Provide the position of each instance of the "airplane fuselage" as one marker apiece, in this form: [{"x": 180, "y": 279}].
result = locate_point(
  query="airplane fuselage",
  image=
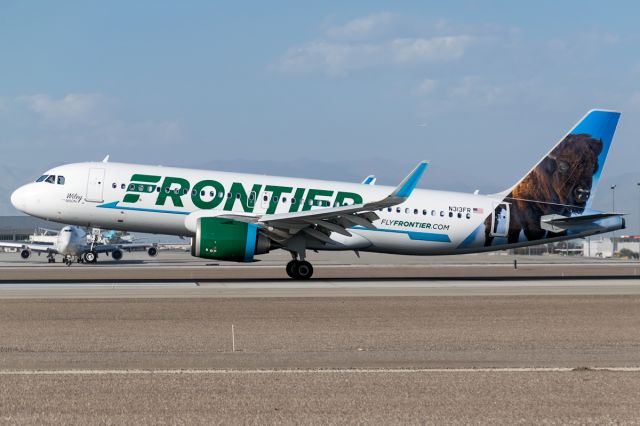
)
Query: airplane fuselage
[{"x": 155, "y": 199}]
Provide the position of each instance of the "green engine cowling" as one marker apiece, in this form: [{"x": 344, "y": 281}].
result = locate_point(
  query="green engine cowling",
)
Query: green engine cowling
[{"x": 228, "y": 239}]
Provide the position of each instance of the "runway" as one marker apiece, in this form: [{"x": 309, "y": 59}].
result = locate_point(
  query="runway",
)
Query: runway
[{"x": 418, "y": 349}]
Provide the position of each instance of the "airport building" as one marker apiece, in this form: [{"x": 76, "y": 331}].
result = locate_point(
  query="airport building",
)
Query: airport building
[{"x": 20, "y": 228}]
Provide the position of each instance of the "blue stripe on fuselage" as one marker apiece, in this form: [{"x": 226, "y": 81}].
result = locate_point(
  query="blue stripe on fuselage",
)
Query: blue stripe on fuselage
[
  {"x": 115, "y": 205},
  {"x": 413, "y": 235}
]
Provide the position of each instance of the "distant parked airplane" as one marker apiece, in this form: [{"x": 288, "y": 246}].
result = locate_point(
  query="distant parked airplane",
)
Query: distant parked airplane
[{"x": 72, "y": 244}]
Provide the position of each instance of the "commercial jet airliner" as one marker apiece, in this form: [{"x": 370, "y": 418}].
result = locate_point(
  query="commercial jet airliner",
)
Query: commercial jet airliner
[
  {"x": 73, "y": 244},
  {"x": 233, "y": 216}
]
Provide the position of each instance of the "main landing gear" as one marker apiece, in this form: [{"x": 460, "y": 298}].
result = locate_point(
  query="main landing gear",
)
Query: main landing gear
[{"x": 298, "y": 268}]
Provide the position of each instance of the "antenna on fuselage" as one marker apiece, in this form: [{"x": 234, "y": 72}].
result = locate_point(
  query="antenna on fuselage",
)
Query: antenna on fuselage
[{"x": 106, "y": 159}]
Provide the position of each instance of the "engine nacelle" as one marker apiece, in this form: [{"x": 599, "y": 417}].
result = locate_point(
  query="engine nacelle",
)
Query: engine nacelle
[{"x": 228, "y": 239}]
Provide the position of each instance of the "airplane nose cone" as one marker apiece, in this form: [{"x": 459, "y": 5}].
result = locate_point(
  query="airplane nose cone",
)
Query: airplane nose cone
[{"x": 18, "y": 198}]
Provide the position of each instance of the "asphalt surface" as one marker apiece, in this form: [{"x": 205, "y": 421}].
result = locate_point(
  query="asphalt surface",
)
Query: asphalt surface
[
  {"x": 172, "y": 360},
  {"x": 465, "y": 347}
]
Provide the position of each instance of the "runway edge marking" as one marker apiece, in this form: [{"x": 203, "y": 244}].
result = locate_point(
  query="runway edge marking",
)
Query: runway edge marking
[{"x": 321, "y": 370}]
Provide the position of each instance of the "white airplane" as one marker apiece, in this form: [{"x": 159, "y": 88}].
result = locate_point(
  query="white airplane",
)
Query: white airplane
[
  {"x": 233, "y": 216},
  {"x": 73, "y": 245}
]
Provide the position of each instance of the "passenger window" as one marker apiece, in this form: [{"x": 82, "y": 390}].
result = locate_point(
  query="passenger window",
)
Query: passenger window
[
  {"x": 123, "y": 186},
  {"x": 202, "y": 193},
  {"x": 450, "y": 214},
  {"x": 50, "y": 179},
  {"x": 238, "y": 196},
  {"x": 193, "y": 192},
  {"x": 252, "y": 196},
  {"x": 132, "y": 187},
  {"x": 157, "y": 188},
  {"x": 166, "y": 190},
  {"x": 265, "y": 198},
  {"x": 389, "y": 209},
  {"x": 228, "y": 195},
  {"x": 41, "y": 178},
  {"x": 398, "y": 210},
  {"x": 149, "y": 188},
  {"x": 424, "y": 212},
  {"x": 415, "y": 211},
  {"x": 293, "y": 201},
  {"x": 433, "y": 212},
  {"x": 210, "y": 193},
  {"x": 459, "y": 215},
  {"x": 275, "y": 199},
  {"x": 284, "y": 199},
  {"x": 468, "y": 215},
  {"x": 114, "y": 185},
  {"x": 441, "y": 213},
  {"x": 60, "y": 180}
]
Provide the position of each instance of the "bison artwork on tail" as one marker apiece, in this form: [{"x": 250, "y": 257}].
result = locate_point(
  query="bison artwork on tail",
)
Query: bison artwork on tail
[{"x": 562, "y": 183}]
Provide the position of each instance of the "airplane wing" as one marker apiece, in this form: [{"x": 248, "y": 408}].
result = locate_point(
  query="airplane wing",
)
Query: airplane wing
[
  {"x": 283, "y": 226},
  {"x": 40, "y": 248},
  {"x": 108, "y": 248}
]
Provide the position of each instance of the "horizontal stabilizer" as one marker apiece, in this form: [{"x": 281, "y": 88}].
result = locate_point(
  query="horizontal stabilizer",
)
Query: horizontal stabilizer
[{"x": 559, "y": 223}]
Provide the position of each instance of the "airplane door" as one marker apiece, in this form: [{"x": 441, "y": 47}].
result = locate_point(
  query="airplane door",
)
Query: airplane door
[
  {"x": 500, "y": 220},
  {"x": 95, "y": 185}
]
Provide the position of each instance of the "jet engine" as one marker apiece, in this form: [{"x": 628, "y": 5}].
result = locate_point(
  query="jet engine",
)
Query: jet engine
[{"x": 228, "y": 239}]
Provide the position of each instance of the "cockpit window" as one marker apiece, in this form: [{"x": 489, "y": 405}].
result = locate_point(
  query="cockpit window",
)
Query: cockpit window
[
  {"x": 51, "y": 179},
  {"x": 66, "y": 230},
  {"x": 41, "y": 178},
  {"x": 60, "y": 180}
]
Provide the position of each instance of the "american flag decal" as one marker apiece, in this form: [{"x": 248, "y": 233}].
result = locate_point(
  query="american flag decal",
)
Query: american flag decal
[{"x": 477, "y": 210}]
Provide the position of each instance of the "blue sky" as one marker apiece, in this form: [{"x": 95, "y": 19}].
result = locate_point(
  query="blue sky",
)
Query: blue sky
[{"x": 329, "y": 89}]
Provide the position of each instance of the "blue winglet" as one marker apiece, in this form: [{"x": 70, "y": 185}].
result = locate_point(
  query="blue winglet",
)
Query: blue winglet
[
  {"x": 409, "y": 183},
  {"x": 369, "y": 180}
]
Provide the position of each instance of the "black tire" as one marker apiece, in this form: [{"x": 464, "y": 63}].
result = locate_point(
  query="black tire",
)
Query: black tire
[
  {"x": 304, "y": 271},
  {"x": 153, "y": 252},
  {"x": 291, "y": 269},
  {"x": 90, "y": 257},
  {"x": 116, "y": 255},
  {"x": 25, "y": 254}
]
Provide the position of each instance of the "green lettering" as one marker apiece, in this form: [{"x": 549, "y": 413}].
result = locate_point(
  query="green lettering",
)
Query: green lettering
[
  {"x": 276, "y": 193},
  {"x": 297, "y": 197},
  {"x": 175, "y": 193},
  {"x": 218, "y": 196},
  {"x": 342, "y": 197},
  {"x": 247, "y": 201},
  {"x": 311, "y": 197}
]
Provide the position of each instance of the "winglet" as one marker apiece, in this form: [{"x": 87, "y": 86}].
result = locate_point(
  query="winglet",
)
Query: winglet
[
  {"x": 409, "y": 183},
  {"x": 369, "y": 180},
  {"x": 106, "y": 159}
]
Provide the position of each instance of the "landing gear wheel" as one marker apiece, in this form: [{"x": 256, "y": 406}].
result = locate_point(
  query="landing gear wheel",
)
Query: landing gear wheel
[
  {"x": 292, "y": 268},
  {"x": 90, "y": 257},
  {"x": 304, "y": 270},
  {"x": 51, "y": 260}
]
